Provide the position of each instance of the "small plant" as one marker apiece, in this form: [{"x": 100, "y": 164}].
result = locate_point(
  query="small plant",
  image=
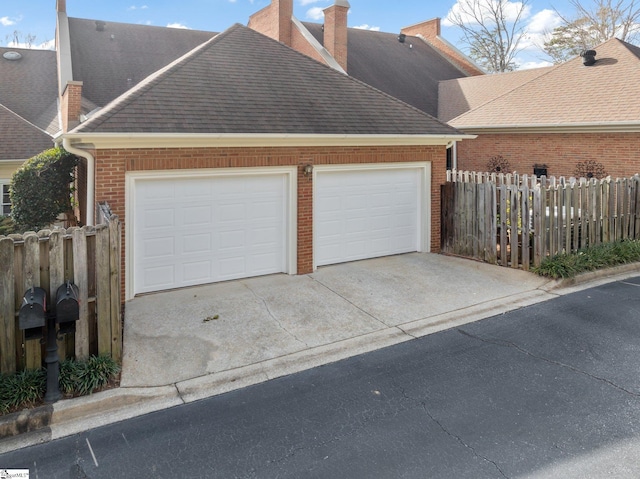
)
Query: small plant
[
  {"x": 589, "y": 259},
  {"x": 7, "y": 226},
  {"x": 24, "y": 389},
  {"x": 77, "y": 378}
]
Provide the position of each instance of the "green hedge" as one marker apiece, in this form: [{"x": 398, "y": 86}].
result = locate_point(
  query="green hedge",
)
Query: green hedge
[{"x": 42, "y": 189}]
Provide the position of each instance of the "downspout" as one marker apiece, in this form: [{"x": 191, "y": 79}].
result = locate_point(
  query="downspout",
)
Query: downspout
[{"x": 91, "y": 177}]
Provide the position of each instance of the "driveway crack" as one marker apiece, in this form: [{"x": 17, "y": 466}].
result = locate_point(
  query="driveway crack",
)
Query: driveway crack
[
  {"x": 350, "y": 302},
  {"x": 273, "y": 316},
  {"x": 504, "y": 342}
]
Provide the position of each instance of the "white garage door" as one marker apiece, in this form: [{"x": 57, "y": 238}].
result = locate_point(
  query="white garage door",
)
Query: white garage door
[
  {"x": 190, "y": 231},
  {"x": 366, "y": 213}
]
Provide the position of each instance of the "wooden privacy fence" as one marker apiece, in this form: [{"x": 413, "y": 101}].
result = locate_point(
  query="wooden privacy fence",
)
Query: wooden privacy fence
[
  {"x": 518, "y": 220},
  {"x": 88, "y": 256}
]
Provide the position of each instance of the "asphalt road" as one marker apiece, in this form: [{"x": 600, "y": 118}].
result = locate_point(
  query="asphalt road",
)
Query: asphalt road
[{"x": 551, "y": 390}]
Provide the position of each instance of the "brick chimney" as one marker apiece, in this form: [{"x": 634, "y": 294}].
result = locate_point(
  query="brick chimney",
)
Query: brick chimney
[
  {"x": 274, "y": 20},
  {"x": 61, "y": 6},
  {"x": 335, "y": 31},
  {"x": 71, "y": 105},
  {"x": 430, "y": 32}
]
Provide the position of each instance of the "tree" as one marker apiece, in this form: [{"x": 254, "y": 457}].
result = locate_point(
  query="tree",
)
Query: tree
[
  {"x": 593, "y": 24},
  {"x": 17, "y": 39},
  {"x": 492, "y": 30},
  {"x": 41, "y": 189}
]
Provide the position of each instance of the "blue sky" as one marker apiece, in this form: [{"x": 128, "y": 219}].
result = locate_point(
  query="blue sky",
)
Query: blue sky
[{"x": 37, "y": 17}]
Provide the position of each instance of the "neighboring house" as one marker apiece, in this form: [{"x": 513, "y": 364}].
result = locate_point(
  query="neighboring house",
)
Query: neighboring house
[
  {"x": 28, "y": 110},
  {"x": 567, "y": 120},
  {"x": 407, "y": 65},
  {"x": 244, "y": 157}
]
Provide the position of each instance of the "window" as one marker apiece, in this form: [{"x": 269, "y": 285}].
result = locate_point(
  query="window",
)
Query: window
[{"x": 5, "y": 201}]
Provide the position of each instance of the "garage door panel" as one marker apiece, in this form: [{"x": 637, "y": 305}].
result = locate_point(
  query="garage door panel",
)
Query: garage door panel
[
  {"x": 192, "y": 231},
  {"x": 366, "y": 213}
]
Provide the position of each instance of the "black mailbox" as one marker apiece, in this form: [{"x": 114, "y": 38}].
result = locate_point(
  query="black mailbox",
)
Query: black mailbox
[
  {"x": 67, "y": 308},
  {"x": 32, "y": 316}
]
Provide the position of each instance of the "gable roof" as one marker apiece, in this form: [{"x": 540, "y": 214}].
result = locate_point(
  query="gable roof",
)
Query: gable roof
[
  {"x": 29, "y": 86},
  {"x": 115, "y": 57},
  {"x": 460, "y": 95},
  {"x": 25, "y": 139},
  {"x": 241, "y": 82},
  {"x": 409, "y": 71},
  {"x": 569, "y": 95}
]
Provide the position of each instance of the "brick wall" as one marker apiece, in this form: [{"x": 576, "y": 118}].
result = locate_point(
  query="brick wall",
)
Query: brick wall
[
  {"x": 335, "y": 33},
  {"x": 619, "y": 153},
  {"x": 112, "y": 165},
  {"x": 300, "y": 44},
  {"x": 71, "y": 105},
  {"x": 274, "y": 21}
]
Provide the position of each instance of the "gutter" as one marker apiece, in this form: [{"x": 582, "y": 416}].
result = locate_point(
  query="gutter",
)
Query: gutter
[{"x": 91, "y": 177}]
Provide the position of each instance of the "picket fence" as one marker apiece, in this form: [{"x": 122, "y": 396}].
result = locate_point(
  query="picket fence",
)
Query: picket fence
[
  {"x": 518, "y": 220},
  {"x": 89, "y": 257}
]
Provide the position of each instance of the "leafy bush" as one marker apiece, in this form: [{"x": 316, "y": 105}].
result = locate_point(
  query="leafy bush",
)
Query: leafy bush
[
  {"x": 24, "y": 389},
  {"x": 7, "y": 225},
  {"x": 41, "y": 189},
  {"x": 77, "y": 378},
  {"x": 590, "y": 259},
  {"x": 83, "y": 377}
]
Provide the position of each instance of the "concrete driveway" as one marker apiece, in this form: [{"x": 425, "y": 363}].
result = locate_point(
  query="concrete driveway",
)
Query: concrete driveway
[{"x": 291, "y": 323}]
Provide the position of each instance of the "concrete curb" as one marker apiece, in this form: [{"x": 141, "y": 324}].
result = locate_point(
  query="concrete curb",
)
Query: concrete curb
[{"x": 73, "y": 416}]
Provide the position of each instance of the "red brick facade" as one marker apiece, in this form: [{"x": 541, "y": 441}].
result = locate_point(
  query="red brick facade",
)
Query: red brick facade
[
  {"x": 112, "y": 165},
  {"x": 71, "y": 105},
  {"x": 619, "y": 153}
]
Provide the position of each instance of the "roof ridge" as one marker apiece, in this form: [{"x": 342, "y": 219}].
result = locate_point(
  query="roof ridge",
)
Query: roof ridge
[
  {"x": 120, "y": 102},
  {"x": 24, "y": 120},
  {"x": 136, "y": 24}
]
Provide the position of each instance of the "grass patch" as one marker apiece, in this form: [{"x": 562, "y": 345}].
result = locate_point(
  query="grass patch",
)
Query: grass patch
[
  {"x": 77, "y": 378},
  {"x": 601, "y": 256}
]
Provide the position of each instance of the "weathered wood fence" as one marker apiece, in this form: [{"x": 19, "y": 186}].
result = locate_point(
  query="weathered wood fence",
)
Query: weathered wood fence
[
  {"x": 88, "y": 256},
  {"x": 518, "y": 220}
]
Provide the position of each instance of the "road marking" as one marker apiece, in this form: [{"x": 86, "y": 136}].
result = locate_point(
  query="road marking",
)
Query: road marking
[{"x": 91, "y": 451}]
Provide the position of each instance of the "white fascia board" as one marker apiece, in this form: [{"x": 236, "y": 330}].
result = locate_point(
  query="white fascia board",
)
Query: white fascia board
[
  {"x": 613, "y": 127},
  {"x": 197, "y": 140}
]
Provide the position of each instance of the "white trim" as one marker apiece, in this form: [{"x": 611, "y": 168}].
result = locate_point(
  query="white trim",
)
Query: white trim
[
  {"x": 610, "y": 127},
  {"x": 197, "y": 140},
  {"x": 317, "y": 46},
  {"x": 3, "y": 182},
  {"x": 424, "y": 195},
  {"x": 292, "y": 207}
]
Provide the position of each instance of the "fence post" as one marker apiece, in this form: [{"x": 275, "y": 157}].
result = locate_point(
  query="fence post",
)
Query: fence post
[
  {"x": 7, "y": 311},
  {"x": 80, "y": 275}
]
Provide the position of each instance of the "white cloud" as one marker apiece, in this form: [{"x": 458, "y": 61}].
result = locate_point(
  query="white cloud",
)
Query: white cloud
[
  {"x": 178, "y": 25},
  {"x": 7, "y": 22},
  {"x": 367, "y": 27},
  {"x": 544, "y": 21},
  {"x": 463, "y": 7},
  {"x": 315, "y": 13},
  {"x": 531, "y": 64},
  {"x": 134, "y": 7},
  {"x": 50, "y": 45},
  {"x": 308, "y": 2}
]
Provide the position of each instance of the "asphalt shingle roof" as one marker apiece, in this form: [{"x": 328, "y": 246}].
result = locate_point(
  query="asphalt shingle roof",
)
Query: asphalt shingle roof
[
  {"x": 113, "y": 60},
  {"x": 29, "y": 86},
  {"x": 569, "y": 94},
  {"x": 23, "y": 140},
  {"x": 409, "y": 71},
  {"x": 243, "y": 82}
]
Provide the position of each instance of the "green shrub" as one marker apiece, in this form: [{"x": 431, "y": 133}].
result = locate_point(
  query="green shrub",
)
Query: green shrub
[
  {"x": 77, "y": 378},
  {"x": 23, "y": 389},
  {"x": 41, "y": 189},
  {"x": 83, "y": 377},
  {"x": 7, "y": 225},
  {"x": 589, "y": 259}
]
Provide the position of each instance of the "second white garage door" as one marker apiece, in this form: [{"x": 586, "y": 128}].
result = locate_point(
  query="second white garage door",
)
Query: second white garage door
[
  {"x": 190, "y": 231},
  {"x": 367, "y": 213}
]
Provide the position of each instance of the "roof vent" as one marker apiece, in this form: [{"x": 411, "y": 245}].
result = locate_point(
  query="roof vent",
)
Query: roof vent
[
  {"x": 588, "y": 57},
  {"x": 13, "y": 56},
  {"x": 402, "y": 37},
  {"x": 100, "y": 25}
]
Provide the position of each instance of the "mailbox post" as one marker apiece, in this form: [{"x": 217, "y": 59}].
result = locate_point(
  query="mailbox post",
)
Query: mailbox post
[{"x": 32, "y": 317}]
